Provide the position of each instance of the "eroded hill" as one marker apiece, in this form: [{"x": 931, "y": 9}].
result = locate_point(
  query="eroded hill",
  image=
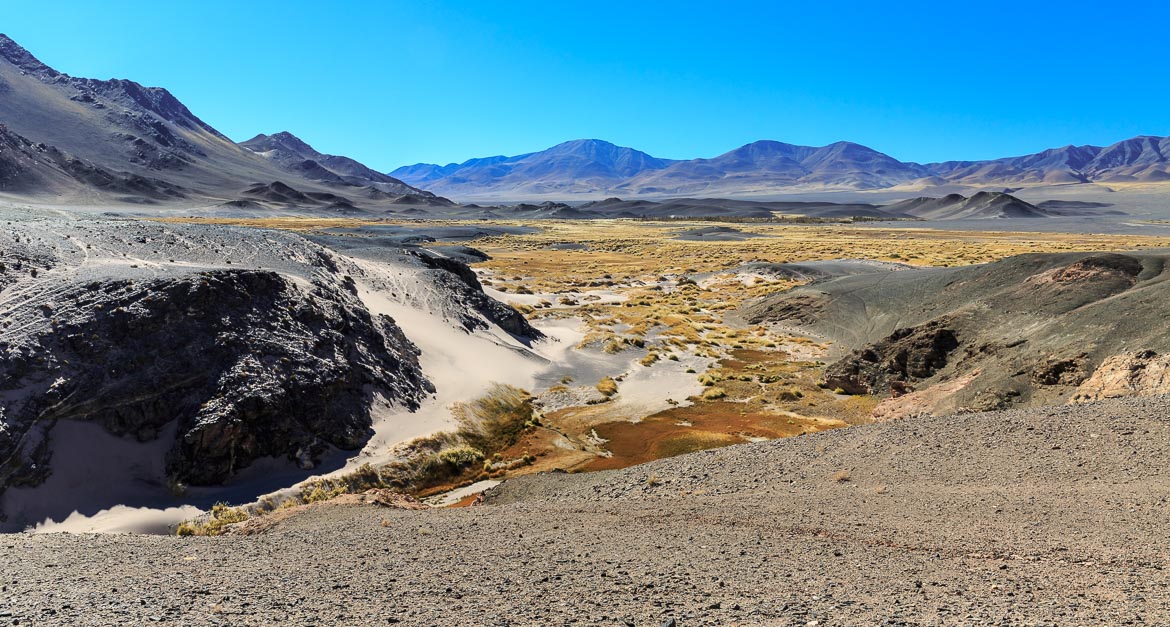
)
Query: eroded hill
[
  {"x": 201, "y": 350},
  {"x": 1032, "y": 329}
]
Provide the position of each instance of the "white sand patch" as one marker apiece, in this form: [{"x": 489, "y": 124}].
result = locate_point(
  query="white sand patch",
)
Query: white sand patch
[
  {"x": 462, "y": 365},
  {"x": 454, "y": 496},
  {"x": 648, "y": 390},
  {"x": 123, "y": 519},
  {"x": 592, "y": 297}
]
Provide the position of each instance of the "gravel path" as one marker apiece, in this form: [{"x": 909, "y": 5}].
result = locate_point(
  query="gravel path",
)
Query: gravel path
[{"x": 1049, "y": 516}]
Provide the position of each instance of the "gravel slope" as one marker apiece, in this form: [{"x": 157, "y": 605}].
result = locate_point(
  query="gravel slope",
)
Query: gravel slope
[{"x": 1044, "y": 516}]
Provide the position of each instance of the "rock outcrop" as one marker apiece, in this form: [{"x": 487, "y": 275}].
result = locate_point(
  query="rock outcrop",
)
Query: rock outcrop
[
  {"x": 1026, "y": 330},
  {"x": 213, "y": 347},
  {"x": 1131, "y": 374},
  {"x": 247, "y": 363},
  {"x": 905, "y": 356},
  {"x": 460, "y": 279}
]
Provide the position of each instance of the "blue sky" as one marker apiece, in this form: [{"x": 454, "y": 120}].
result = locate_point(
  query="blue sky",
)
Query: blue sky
[{"x": 392, "y": 83}]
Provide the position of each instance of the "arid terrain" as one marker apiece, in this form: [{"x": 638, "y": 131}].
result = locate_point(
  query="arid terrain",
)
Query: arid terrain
[
  {"x": 1039, "y": 517},
  {"x": 251, "y": 382}
]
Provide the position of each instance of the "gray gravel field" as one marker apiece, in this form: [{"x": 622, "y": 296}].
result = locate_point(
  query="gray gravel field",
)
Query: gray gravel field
[{"x": 1051, "y": 516}]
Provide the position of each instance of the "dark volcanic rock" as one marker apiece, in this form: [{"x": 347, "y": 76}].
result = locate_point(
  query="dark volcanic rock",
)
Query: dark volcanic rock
[
  {"x": 467, "y": 285},
  {"x": 1032, "y": 327},
  {"x": 907, "y": 355},
  {"x": 247, "y": 362}
]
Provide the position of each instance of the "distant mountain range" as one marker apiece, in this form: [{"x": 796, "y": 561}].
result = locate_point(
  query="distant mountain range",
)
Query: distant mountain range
[
  {"x": 593, "y": 167},
  {"x": 80, "y": 140},
  {"x": 84, "y": 141}
]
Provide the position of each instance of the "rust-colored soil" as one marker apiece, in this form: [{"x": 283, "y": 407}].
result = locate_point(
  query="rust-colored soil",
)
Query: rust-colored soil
[{"x": 688, "y": 429}]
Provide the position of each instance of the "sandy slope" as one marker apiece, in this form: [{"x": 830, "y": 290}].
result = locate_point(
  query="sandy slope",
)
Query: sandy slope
[
  {"x": 1047, "y": 516},
  {"x": 103, "y": 482},
  {"x": 461, "y": 364}
]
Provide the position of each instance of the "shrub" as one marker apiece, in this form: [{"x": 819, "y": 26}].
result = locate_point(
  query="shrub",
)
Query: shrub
[
  {"x": 215, "y": 523},
  {"x": 495, "y": 420},
  {"x": 365, "y": 477},
  {"x": 462, "y": 456},
  {"x": 607, "y": 386},
  {"x": 714, "y": 393}
]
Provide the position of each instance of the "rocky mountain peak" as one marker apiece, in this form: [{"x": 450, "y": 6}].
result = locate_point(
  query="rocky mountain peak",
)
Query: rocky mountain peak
[
  {"x": 283, "y": 140},
  {"x": 15, "y": 54}
]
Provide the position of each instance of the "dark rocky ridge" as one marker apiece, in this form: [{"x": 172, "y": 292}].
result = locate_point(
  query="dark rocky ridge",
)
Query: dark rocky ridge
[
  {"x": 471, "y": 293},
  {"x": 445, "y": 268},
  {"x": 981, "y": 205},
  {"x": 908, "y": 355},
  {"x": 248, "y": 365},
  {"x": 116, "y": 141},
  {"x": 222, "y": 345},
  {"x": 1027, "y": 329},
  {"x": 291, "y": 153}
]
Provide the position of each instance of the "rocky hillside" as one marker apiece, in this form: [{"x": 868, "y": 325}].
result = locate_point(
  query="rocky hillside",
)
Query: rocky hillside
[
  {"x": 1139, "y": 159},
  {"x": 81, "y": 140},
  {"x": 291, "y": 153},
  {"x": 766, "y": 165},
  {"x": 1033, "y": 329},
  {"x": 979, "y": 206},
  {"x": 218, "y": 347},
  {"x": 595, "y": 166}
]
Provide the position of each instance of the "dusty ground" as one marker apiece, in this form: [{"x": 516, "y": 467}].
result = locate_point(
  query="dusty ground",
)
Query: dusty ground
[
  {"x": 652, "y": 301},
  {"x": 1047, "y": 517},
  {"x": 641, "y": 289}
]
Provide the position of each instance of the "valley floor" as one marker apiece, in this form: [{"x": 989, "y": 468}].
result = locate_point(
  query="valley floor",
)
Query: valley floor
[{"x": 1045, "y": 516}]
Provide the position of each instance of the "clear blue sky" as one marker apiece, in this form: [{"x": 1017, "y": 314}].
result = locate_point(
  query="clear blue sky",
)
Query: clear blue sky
[{"x": 392, "y": 83}]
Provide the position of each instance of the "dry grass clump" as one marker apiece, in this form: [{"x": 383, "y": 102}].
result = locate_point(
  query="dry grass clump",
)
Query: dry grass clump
[
  {"x": 522, "y": 308},
  {"x": 215, "y": 523},
  {"x": 495, "y": 420},
  {"x": 365, "y": 477},
  {"x": 445, "y": 464},
  {"x": 714, "y": 393},
  {"x": 487, "y": 425},
  {"x": 607, "y": 386}
]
